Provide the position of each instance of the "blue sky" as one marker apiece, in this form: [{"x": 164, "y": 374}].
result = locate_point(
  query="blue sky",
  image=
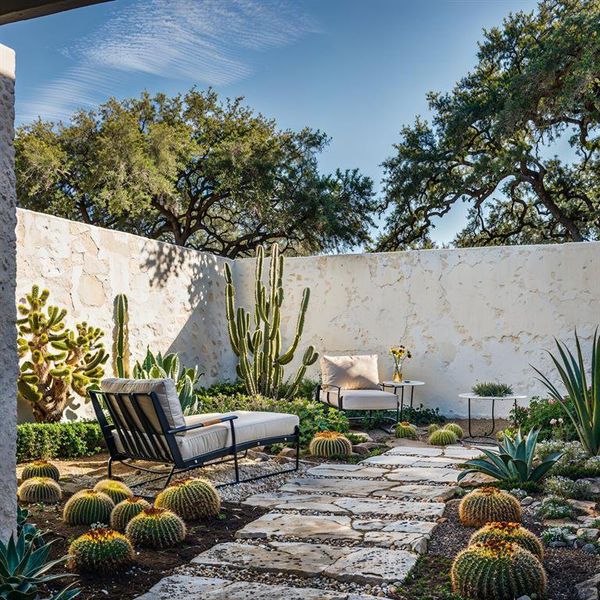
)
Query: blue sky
[{"x": 357, "y": 69}]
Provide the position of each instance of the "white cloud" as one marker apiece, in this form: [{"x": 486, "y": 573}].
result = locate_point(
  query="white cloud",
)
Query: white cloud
[{"x": 209, "y": 42}]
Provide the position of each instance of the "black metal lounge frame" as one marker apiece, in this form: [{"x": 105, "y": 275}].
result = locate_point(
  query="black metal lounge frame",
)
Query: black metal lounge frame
[{"x": 159, "y": 446}]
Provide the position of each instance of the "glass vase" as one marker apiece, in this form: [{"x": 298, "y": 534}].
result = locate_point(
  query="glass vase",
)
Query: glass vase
[{"x": 398, "y": 376}]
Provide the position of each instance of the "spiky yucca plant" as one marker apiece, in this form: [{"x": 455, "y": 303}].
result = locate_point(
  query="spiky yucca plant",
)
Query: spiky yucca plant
[
  {"x": 514, "y": 533},
  {"x": 40, "y": 468},
  {"x": 330, "y": 443},
  {"x": 191, "y": 499},
  {"x": 456, "y": 429},
  {"x": 487, "y": 504},
  {"x": 406, "y": 430},
  {"x": 497, "y": 571},
  {"x": 117, "y": 491},
  {"x": 101, "y": 550},
  {"x": 125, "y": 511},
  {"x": 87, "y": 507},
  {"x": 39, "y": 489},
  {"x": 156, "y": 528},
  {"x": 442, "y": 437}
]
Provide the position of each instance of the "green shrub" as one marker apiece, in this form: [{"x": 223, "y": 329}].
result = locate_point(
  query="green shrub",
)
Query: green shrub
[
  {"x": 492, "y": 389},
  {"x": 574, "y": 462},
  {"x": 58, "y": 440},
  {"x": 554, "y": 507},
  {"x": 558, "y": 534},
  {"x": 568, "y": 488},
  {"x": 544, "y": 414}
]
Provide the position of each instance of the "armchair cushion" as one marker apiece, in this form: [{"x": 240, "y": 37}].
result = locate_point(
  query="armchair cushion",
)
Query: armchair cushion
[
  {"x": 357, "y": 372},
  {"x": 362, "y": 399}
]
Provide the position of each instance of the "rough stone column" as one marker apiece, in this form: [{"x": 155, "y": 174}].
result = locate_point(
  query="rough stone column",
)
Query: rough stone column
[{"x": 8, "y": 274}]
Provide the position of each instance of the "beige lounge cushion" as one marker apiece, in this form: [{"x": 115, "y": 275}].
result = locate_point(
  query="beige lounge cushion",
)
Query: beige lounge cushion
[
  {"x": 362, "y": 399},
  {"x": 358, "y": 372}
]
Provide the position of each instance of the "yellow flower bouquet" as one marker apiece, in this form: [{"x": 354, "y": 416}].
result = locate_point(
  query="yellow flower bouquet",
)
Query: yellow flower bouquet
[{"x": 399, "y": 354}]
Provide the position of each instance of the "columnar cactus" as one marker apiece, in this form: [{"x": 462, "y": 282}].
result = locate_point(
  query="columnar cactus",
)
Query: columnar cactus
[
  {"x": 87, "y": 507},
  {"x": 330, "y": 443},
  {"x": 101, "y": 551},
  {"x": 57, "y": 362},
  {"x": 191, "y": 499},
  {"x": 39, "y": 489},
  {"x": 497, "y": 571},
  {"x": 406, "y": 430},
  {"x": 442, "y": 437},
  {"x": 40, "y": 468},
  {"x": 121, "y": 352},
  {"x": 125, "y": 511},
  {"x": 456, "y": 429},
  {"x": 156, "y": 528},
  {"x": 260, "y": 358},
  {"x": 487, "y": 504},
  {"x": 117, "y": 491},
  {"x": 509, "y": 532}
]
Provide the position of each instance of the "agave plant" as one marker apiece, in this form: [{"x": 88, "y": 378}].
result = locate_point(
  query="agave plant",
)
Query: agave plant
[
  {"x": 514, "y": 461},
  {"x": 157, "y": 366},
  {"x": 584, "y": 408}
]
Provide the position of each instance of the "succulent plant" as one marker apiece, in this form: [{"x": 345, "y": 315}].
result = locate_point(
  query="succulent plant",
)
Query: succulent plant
[
  {"x": 39, "y": 489},
  {"x": 406, "y": 430},
  {"x": 123, "y": 512},
  {"x": 487, "y": 504},
  {"x": 117, "y": 491},
  {"x": 40, "y": 468},
  {"x": 101, "y": 550},
  {"x": 432, "y": 427},
  {"x": 330, "y": 443},
  {"x": 121, "y": 354},
  {"x": 442, "y": 437},
  {"x": 514, "y": 533},
  {"x": 497, "y": 570},
  {"x": 191, "y": 499},
  {"x": 156, "y": 528},
  {"x": 456, "y": 429},
  {"x": 87, "y": 507}
]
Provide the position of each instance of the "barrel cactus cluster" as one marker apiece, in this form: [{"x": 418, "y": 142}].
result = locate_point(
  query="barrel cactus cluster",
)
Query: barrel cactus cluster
[
  {"x": 514, "y": 533},
  {"x": 456, "y": 429},
  {"x": 39, "y": 489},
  {"x": 101, "y": 550},
  {"x": 442, "y": 437},
  {"x": 327, "y": 444},
  {"x": 406, "y": 430},
  {"x": 125, "y": 511},
  {"x": 156, "y": 528},
  {"x": 117, "y": 491},
  {"x": 487, "y": 504},
  {"x": 87, "y": 507},
  {"x": 40, "y": 468},
  {"x": 191, "y": 499}
]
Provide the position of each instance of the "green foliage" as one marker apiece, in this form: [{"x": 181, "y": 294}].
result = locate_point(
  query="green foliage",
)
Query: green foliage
[
  {"x": 101, "y": 551},
  {"x": 157, "y": 366},
  {"x": 487, "y": 504},
  {"x": 39, "y": 489},
  {"x": 554, "y": 507},
  {"x": 121, "y": 354},
  {"x": 406, "y": 430},
  {"x": 223, "y": 389},
  {"x": 117, "y": 491},
  {"x": 87, "y": 507},
  {"x": 456, "y": 429},
  {"x": 261, "y": 361},
  {"x": 509, "y": 532},
  {"x": 123, "y": 512},
  {"x": 558, "y": 534},
  {"x": 490, "y": 389},
  {"x": 514, "y": 461},
  {"x": 497, "y": 571},
  {"x": 195, "y": 171},
  {"x": 40, "y": 468},
  {"x": 58, "y": 440},
  {"x": 57, "y": 363},
  {"x": 548, "y": 416},
  {"x": 420, "y": 415},
  {"x": 568, "y": 488},
  {"x": 492, "y": 141},
  {"x": 574, "y": 463},
  {"x": 156, "y": 528},
  {"x": 330, "y": 444},
  {"x": 584, "y": 411},
  {"x": 442, "y": 437},
  {"x": 191, "y": 499}
]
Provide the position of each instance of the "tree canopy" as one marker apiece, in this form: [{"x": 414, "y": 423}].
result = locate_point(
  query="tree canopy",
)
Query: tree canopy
[
  {"x": 196, "y": 171},
  {"x": 494, "y": 141}
]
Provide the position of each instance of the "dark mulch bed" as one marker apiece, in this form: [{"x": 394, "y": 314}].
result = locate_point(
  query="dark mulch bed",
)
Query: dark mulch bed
[
  {"x": 430, "y": 580},
  {"x": 151, "y": 565}
]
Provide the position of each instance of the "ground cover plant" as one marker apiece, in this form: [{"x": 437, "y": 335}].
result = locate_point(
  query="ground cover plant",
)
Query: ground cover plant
[{"x": 547, "y": 415}]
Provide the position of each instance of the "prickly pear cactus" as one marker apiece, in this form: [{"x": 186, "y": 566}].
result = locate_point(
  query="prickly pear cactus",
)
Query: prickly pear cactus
[
  {"x": 406, "y": 430},
  {"x": 191, "y": 499},
  {"x": 87, "y": 507},
  {"x": 442, "y": 437},
  {"x": 39, "y": 489},
  {"x": 487, "y": 504},
  {"x": 101, "y": 550},
  {"x": 156, "y": 528},
  {"x": 261, "y": 360},
  {"x": 117, "y": 491},
  {"x": 330, "y": 443},
  {"x": 125, "y": 511},
  {"x": 509, "y": 532},
  {"x": 57, "y": 363},
  {"x": 40, "y": 468}
]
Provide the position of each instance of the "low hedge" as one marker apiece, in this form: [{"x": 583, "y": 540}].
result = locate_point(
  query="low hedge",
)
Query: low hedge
[{"x": 58, "y": 440}]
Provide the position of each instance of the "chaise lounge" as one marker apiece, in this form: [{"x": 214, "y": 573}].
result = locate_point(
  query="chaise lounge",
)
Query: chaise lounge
[{"x": 141, "y": 419}]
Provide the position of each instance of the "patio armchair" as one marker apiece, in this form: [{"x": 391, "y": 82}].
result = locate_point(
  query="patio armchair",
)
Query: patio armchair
[{"x": 141, "y": 419}]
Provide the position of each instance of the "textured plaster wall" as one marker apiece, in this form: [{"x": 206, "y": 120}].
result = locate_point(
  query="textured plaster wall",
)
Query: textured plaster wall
[
  {"x": 176, "y": 296},
  {"x": 468, "y": 315},
  {"x": 8, "y": 349}
]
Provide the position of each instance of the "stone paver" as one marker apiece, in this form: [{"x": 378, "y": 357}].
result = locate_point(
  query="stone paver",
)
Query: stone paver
[
  {"x": 340, "y": 470},
  {"x": 404, "y": 460},
  {"x": 425, "y": 474},
  {"x": 415, "y": 451}
]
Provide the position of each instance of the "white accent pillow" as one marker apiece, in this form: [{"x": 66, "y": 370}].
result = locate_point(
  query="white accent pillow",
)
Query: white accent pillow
[{"x": 358, "y": 372}]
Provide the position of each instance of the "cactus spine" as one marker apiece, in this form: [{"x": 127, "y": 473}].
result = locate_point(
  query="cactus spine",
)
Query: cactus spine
[
  {"x": 191, "y": 499},
  {"x": 39, "y": 489},
  {"x": 121, "y": 337},
  {"x": 497, "y": 571},
  {"x": 40, "y": 468},
  {"x": 455, "y": 429},
  {"x": 509, "y": 532},
  {"x": 87, "y": 507},
  {"x": 101, "y": 551},
  {"x": 488, "y": 504},
  {"x": 330, "y": 443},
  {"x": 260, "y": 358},
  {"x": 117, "y": 491},
  {"x": 406, "y": 430},
  {"x": 442, "y": 437},
  {"x": 156, "y": 528},
  {"x": 125, "y": 511}
]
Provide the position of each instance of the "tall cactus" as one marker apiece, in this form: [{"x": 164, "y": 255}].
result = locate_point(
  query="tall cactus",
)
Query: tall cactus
[
  {"x": 58, "y": 362},
  {"x": 121, "y": 337},
  {"x": 260, "y": 359}
]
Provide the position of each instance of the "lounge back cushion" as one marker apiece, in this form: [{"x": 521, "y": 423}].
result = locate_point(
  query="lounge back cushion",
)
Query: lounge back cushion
[{"x": 350, "y": 372}]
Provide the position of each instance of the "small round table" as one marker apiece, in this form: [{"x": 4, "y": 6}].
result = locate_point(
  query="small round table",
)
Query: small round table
[
  {"x": 471, "y": 396},
  {"x": 400, "y": 385}
]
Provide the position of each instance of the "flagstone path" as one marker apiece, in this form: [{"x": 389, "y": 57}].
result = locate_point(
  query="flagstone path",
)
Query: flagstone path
[{"x": 364, "y": 525}]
